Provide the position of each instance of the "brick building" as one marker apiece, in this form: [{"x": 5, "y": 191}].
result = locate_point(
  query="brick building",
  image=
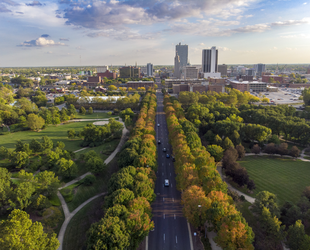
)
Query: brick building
[
  {"x": 108, "y": 74},
  {"x": 217, "y": 80},
  {"x": 266, "y": 78},
  {"x": 139, "y": 84},
  {"x": 244, "y": 77},
  {"x": 219, "y": 88}
]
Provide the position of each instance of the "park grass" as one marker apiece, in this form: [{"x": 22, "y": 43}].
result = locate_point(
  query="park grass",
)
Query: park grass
[
  {"x": 54, "y": 200},
  {"x": 96, "y": 115},
  {"x": 75, "y": 235},
  {"x": 83, "y": 192},
  {"x": 284, "y": 177},
  {"x": 55, "y": 132},
  {"x": 68, "y": 192}
]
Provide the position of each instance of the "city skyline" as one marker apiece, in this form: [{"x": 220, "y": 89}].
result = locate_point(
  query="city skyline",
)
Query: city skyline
[{"x": 75, "y": 33}]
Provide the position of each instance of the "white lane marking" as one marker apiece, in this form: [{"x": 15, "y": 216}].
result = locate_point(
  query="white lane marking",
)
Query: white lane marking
[
  {"x": 171, "y": 185},
  {"x": 176, "y": 239},
  {"x": 170, "y": 174},
  {"x": 169, "y": 164},
  {"x": 162, "y": 164},
  {"x": 164, "y": 237},
  {"x": 163, "y": 173},
  {"x": 174, "y": 216},
  {"x": 164, "y": 216}
]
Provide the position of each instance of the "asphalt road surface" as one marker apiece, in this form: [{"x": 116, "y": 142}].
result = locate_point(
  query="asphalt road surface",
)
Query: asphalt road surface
[{"x": 171, "y": 228}]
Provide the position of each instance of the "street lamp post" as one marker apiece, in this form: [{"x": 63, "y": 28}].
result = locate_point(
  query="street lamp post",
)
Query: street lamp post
[{"x": 199, "y": 206}]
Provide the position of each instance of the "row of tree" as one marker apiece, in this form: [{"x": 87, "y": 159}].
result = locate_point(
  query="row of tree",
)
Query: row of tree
[
  {"x": 131, "y": 190},
  {"x": 204, "y": 193}
]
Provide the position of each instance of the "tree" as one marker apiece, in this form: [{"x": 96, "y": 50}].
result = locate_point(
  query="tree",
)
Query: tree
[
  {"x": 227, "y": 143},
  {"x": 90, "y": 110},
  {"x": 21, "y": 195},
  {"x": 267, "y": 200},
  {"x": 256, "y": 149},
  {"x": 19, "y": 159},
  {"x": 5, "y": 187},
  {"x": 306, "y": 192},
  {"x": 18, "y": 232},
  {"x": 47, "y": 143},
  {"x": 82, "y": 110},
  {"x": 112, "y": 88},
  {"x": 66, "y": 168},
  {"x": 294, "y": 151},
  {"x": 216, "y": 152},
  {"x": 109, "y": 233},
  {"x": 35, "y": 122},
  {"x": 71, "y": 133},
  {"x": 35, "y": 146},
  {"x": 241, "y": 151},
  {"x": 251, "y": 185},
  {"x": 96, "y": 165},
  {"x": 297, "y": 238},
  {"x": 306, "y": 96}
]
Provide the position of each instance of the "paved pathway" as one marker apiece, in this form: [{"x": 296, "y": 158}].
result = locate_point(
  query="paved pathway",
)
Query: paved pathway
[{"x": 68, "y": 215}]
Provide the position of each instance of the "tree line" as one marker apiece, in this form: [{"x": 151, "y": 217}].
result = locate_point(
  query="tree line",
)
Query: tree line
[
  {"x": 131, "y": 190},
  {"x": 204, "y": 193}
]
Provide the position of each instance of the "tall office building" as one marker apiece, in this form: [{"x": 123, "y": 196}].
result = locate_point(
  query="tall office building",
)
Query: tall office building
[
  {"x": 177, "y": 70},
  {"x": 191, "y": 72},
  {"x": 222, "y": 69},
  {"x": 182, "y": 51},
  {"x": 209, "y": 60},
  {"x": 259, "y": 69},
  {"x": 149, "y": 69}
]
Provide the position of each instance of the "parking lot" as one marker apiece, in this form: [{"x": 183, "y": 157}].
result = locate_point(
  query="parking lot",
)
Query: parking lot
[{"x": 283, "y": 96}]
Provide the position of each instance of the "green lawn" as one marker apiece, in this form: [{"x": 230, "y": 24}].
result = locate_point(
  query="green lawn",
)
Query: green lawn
[
  {"x": 284, "y": 177},
  {"x": 75, "y": 235},
  {"x": 83, "y": 192},
  {"x": 96, "y": 115},
  {"x": 56, "y": 133}
]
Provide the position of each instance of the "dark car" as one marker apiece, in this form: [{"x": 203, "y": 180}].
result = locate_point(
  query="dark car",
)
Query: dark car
[
  {"x": 173, "y": 159},
  {"x": 167, "y": 155}
]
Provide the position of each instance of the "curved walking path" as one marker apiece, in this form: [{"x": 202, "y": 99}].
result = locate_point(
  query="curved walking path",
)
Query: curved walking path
[{"x": 68, "y": 215}]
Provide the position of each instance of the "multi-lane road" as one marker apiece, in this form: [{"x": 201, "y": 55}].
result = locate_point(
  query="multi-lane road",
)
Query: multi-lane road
[{"x": 171, "y": 228}]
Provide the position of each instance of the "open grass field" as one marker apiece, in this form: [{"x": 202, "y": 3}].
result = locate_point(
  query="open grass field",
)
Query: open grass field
[
  {"x": 56, "y": 133},
  {"x": 83, "y": 193},
  {"x": 284, "y": 177},
  {"x": 75, "y": 236}
]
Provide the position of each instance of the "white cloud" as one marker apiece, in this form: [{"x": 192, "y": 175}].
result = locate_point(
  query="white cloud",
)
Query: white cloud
[{"x": 41, "y": 42}]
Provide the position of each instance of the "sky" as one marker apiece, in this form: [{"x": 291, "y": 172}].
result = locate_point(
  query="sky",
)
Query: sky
[{"x": 119, "y": 32}]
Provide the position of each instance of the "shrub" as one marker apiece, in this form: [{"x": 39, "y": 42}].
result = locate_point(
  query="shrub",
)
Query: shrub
[
  {"x": 89, "y": 180},
  {"x": 241, "y": 151},
  {"x": 109, "y": 113},
  {"x": 294, "y": 151},
  {"x": 256, "y": 149}
]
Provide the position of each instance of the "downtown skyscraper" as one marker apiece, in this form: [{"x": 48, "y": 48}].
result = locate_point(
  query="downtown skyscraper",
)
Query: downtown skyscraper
[
  {"x": 209, "y": 60},
  {"x": 182, "y": 51}
]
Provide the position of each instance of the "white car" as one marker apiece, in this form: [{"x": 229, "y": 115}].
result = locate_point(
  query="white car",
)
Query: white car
[
  {"x": 158, "y": 125},
  {"x": 166, "y": 183}
]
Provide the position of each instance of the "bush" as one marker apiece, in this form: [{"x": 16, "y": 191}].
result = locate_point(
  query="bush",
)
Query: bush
[
  {"x": 294, "y": 151},
  {"x": 241, "y": 151},
  {"x": 109, "y": 113},
  {"x": 89, "y": 180},
  {"x": 251, "y": 185},
  {"x": 256, "y": 149}
]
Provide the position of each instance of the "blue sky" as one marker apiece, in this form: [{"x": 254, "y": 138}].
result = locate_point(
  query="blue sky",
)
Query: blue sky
[{"x": 95, "y": 32}]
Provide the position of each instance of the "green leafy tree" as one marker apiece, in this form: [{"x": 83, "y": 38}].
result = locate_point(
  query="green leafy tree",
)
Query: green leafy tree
[
  {"x": 108, "y": 233},
  {"x": 18, "y": 232},
  {"x": 35, "y": 122},
  {"x": 35, "y": 146},
  {"x": 21, "y": 195},
  {"x": 66, "y": 168},
  {"x": 47, "y": 143},
  {"x": 227, "y": 143},
  {"x": 96, "y": 165},
  {"x": 5, "y": 187},
  {"x": 297, "y": 238},
  {"x": 82, "y": 111},
  {"x": 216, "y": 151},
  {"x": 268, "y": 200},
  {"x": 19, "y": 159},
  {"x": 90, "y": 110},
  {"x": 71, "y": 133}
]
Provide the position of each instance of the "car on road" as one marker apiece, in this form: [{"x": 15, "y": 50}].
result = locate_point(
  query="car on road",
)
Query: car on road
[
  {"x": 167, "y": 155},
  {"x": 164, "y": 149},
  {"x": 159, "y": 142},
  {"x": 166, "y": 183},
  {"x": 173, "y": 159},
  {"x": 158, "y": 125}
]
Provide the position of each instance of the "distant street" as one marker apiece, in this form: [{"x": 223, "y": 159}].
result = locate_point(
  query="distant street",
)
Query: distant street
[{"x": 171, "y": 228}]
